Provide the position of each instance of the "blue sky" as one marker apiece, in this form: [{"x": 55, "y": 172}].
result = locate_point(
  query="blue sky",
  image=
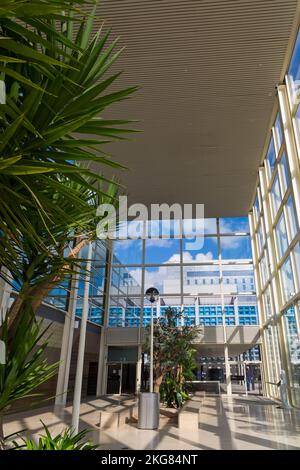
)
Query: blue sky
[{"x": 167, "y": 250}]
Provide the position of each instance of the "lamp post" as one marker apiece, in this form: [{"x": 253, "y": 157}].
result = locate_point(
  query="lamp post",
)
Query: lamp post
[
  {"x": 152, "y": 295},
  {"x": 149, "y": 401}
]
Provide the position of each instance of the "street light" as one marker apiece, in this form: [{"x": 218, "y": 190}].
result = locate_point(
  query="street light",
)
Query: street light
[{"x": 152, "y": 296}]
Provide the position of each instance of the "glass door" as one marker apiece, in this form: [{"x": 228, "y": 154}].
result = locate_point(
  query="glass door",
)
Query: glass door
[
  {"x": 114, "y": 377},
  {"x": 121, "y": 378}
]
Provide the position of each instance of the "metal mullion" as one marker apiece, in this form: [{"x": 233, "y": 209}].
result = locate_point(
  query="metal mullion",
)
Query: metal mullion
[
  {"x": 256, "y": 268},
  {"x": 275, "y": 281},
  {"x": 291, "y": 148},
  {"x": 281, "y": 206}
]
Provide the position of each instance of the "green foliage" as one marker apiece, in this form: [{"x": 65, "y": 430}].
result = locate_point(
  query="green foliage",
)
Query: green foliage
[
  {"x": 66, "y": 440},
  {"x": 26, "y": 366},
  {"x": 51, "y": 128},
  {"x": 173, "y": 356},
  {"x": 172, "y": 393}
]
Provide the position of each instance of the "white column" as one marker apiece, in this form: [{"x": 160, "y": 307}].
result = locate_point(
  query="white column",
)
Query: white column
[
  {"x": 67, "y": 343},
  {"x": 139, "y": 370},
  {"x": 81, "y": 346},
  {"x": 101, "y": 377},
  {"x": 226, "y": 353}
]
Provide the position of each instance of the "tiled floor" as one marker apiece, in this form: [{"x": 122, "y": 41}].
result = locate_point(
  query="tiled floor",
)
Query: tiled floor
[{"x": 225, "y": 423}]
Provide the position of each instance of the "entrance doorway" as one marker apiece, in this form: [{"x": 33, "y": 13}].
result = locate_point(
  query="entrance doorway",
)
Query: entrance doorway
[
  {"x": 246, "y": 377},
  {"x": 121, "y": 378},
  {"x": 92, "y": 378}
]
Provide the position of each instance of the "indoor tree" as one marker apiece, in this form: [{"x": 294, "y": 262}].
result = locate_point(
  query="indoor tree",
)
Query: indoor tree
[{"x": 172, "y": 350}]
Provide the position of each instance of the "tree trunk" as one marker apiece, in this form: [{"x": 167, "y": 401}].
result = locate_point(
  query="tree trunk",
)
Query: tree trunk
[
  {"x": 157, "y": 383},
  {"x": 35, "y": 295}
]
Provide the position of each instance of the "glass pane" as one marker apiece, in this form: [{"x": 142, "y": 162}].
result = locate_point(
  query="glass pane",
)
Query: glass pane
[
  {"x": 124, "y": 311},
  {"x": 175, "y": 304},
  {"x": 293, "y": 349},
  {"x": 291, "y": 216},
  {"x": 210, "y": 226},
  {"x": 281, "y": 236},
  {"x": 246, "y": 308},
  {"x": 236, "y": 247},
  {"x": 96, "y": 309},
  {"x": 237, "y": 279},
  {"x": 162, "y": 250},
  {"x": 99, "y": 254},
  {"x": 274, "y": 358},
  {"x": 210, "y": 310},
  {"x": 168, "y": 228},
  {"x": 296, "y": 252},
  {"x": 271, "y": 158},
  {"x": 256, "y": 208},
  {"x": 261, "y": 239},
  {"x": 97, "y": 281},
  {"x": 287, "y": 280},
  {"x": 126, "y": 281},
  {"x": 264, "y": 268},
  {"x": 190, "y": 311},
  {"x": 268, "y": 303},
  {"x": 127, "y": 252},
  {"x": 276, "y": 196},
  {"x": 200, "y": 250},
  {"x": 285, "y": 173},
  {"x": 201, "y": 279},
  {"x": 235, "y": 224},
  {"x": 294, "y": 69},
  {"x": 278, "y": 131},
  {"x": 297, "y": 122},
  {"x": 165, "y": 278},
  {"x": 198, "y": 227}
]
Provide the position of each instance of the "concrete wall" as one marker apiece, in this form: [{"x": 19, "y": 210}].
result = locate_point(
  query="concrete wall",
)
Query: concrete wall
[{"x": 53, "y": 319}]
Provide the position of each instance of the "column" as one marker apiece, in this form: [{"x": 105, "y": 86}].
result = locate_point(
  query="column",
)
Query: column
[
  {"x": 81, "y": 346},
  {"x": 67, "y": 343},
  {"x": 101, "y": 377}
]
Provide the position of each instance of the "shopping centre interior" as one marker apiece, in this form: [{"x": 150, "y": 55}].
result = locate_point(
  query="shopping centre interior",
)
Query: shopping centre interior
[{"x": 219, "y": 125}]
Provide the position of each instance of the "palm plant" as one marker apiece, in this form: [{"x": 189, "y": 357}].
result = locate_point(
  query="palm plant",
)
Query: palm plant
[
  {"x": 67, "y": 440},
  {"x": 55, "y": 87},
  {"x": 50, "y": 131},
  {"x": 25, "y": 366}
]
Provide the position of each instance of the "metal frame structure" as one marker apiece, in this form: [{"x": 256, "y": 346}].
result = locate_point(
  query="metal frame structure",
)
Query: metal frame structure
[{"x": 274, "y": 250}]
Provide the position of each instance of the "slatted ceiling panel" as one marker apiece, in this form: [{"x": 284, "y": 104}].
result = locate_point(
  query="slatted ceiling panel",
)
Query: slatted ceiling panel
[{"x": 207, "y": 71}]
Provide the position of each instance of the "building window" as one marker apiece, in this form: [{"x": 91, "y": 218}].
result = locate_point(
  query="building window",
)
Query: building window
[
  {"x": 271, "y": 158},
  {"x": 286, "y": 274},
  {"x": 276, "y": 196},
  {"x": 281, "y": 236}
]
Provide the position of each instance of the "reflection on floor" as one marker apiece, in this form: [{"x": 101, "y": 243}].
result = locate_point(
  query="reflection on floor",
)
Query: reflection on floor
[{"x": 236, "y": 422}]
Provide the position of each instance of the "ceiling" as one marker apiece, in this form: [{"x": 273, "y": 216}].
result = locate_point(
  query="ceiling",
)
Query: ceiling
[{"x": 207, "y": 71}]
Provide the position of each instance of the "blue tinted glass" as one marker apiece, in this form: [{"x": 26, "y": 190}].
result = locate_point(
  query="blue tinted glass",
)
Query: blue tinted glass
[
  {"x": 276, "y": 195},
  {"x": 271, "y": 157},
  {"x": 278, "y": 129},
  {"x": 285, "y": 173},
  {"x": 162, "y": 250},
  {"x": 127, "y": 252},
  {"x": 281, "y": 235},
  {"x": 236, "y": 247},
  {"x": 235, "y": 224},
  {"x": 294, "y": 69}
]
